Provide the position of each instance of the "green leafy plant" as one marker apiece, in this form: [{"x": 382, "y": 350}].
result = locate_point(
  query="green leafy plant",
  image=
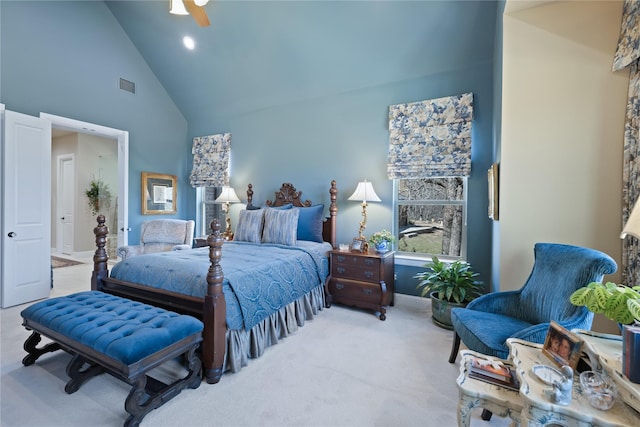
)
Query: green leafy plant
[
  {"x": 617, "y": 302},
  {"x": 99, "y": 196},
  {"x": 453, "y": 282},
  {"x": 381, "y": 236}
]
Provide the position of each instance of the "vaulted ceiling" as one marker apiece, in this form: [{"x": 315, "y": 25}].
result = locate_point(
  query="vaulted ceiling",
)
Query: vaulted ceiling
[{"x": 257, "y": 54}]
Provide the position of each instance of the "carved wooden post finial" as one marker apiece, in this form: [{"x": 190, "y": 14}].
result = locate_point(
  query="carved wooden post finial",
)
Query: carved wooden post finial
[{"x": 100, "y": 257}]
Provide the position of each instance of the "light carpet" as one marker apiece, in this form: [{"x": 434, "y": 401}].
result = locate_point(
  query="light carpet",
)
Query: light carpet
[{"x": 343, "y": 368}]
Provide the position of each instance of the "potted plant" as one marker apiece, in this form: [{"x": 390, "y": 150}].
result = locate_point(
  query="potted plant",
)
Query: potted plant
[
  {"x": 382, "y": 240},
  {"x": 99, "y": 196},
  {"x": 448, "y": 284},
  {"x": 617, "y": 302}
]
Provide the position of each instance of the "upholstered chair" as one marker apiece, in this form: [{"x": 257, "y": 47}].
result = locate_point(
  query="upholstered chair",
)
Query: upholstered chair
[
  {"x": 161, "y": 235},
  {"x": 486, "y": 322}
]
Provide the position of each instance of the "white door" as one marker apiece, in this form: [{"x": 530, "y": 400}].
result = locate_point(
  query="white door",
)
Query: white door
[
  {"x": 26, "y": 221},
  {"x": 66, "y": 201}
]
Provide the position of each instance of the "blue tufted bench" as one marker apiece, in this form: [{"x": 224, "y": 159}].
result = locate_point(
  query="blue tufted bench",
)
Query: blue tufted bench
[{"x": 106, "y": 333}]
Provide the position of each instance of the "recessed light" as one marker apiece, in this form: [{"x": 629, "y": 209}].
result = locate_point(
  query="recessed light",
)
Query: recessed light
[{"x": 188, "y": 42}]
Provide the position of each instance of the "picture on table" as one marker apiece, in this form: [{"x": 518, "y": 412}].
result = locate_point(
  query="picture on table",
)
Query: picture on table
[{"x": 562, "y": 346}]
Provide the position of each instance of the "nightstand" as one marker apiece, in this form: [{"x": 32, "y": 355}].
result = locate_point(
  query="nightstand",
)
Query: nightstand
[
  {"x": 364, "y": 280},
  {"x": 200, "y": 242}
]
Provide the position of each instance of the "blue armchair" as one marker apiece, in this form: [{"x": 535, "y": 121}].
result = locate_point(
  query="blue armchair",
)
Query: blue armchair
[{"x": 486, "y": 322}]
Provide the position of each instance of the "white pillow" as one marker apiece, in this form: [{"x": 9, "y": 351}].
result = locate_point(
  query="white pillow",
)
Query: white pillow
[
  {"x": 280, "y": 226},
  {"x": 249, "y": 226}
]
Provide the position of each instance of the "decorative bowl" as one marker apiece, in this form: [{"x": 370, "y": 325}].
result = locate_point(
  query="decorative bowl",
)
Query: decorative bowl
[{"x": 599, "y": 389}]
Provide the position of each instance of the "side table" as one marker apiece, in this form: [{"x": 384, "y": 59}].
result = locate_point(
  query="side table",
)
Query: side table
[
  {"x": 539, "y": 411},
  {"x": 479, "y": 394},
  {"x": 364, "y": 280},
  {"x": 605, "y": 354}
]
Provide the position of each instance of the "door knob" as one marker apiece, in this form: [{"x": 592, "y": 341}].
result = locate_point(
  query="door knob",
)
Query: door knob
[
  {"x": 11, "y": 234},
  {"x": 127, "y": 229},
  {"x": 62, "y": 218}
]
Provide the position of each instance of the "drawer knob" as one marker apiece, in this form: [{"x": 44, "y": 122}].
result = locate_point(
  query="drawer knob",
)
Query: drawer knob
[
  {"x": 368, "y": 274},
  {"x": 368, "y": 261},
  {"x": 341, "y": 270},
  {"x": 339, "y": 286},
  {"x": 341, "y": 258},
  {"x": 367, "y": 291}
]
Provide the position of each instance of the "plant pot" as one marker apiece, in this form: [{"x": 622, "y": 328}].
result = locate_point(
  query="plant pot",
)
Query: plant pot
[
  {"x": 383, "y": 247},
  {"x": 441, "y": 311}
]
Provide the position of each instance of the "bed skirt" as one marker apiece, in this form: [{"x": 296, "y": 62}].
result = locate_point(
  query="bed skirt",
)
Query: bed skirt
[{"x": 242, "y": 345}]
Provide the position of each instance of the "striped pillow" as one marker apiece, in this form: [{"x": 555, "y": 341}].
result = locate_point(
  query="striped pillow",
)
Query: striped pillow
[
  {"x": 249, "y": 226},
  {"x": 280, "y": 226}
]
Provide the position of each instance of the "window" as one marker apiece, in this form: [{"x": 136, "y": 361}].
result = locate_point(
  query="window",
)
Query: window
[
  {"x": 208, "y": 210},
  {"x": 431, "y": 216}
]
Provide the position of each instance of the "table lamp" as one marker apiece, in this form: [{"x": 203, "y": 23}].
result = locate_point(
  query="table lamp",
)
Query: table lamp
[
  {"x": 226, "y": 197},
  {"x": 633, "y": 223},
  {"x": 364, "y": 193}
]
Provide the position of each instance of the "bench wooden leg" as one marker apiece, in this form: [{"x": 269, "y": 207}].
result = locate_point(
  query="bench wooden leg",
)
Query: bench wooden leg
[
  {"x": 148, "y": 393},
  {"x": 77, "y": 375},
  {"x": 31, "y": 347}
]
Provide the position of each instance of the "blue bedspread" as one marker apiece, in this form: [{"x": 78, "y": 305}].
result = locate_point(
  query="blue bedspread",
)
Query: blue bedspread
[{"x": 259, "y": 279}]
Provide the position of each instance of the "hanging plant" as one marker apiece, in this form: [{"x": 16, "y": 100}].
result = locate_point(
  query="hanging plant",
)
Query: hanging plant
[{"x": 99, "y": 196}]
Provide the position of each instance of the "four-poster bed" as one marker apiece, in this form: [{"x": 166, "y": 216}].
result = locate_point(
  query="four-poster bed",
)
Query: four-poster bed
[{"x": 230, "y": 299}]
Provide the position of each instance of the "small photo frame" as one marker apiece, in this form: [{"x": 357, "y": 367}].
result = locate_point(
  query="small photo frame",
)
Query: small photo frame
[
  {"x": 359, "y": 244},
  {"x": 562, "y": 346}
]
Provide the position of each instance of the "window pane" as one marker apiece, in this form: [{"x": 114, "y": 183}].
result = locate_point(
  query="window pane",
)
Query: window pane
[
  {"x": 430, "y": 229},
  {"x": 431, "y": 189},
  {"x": 210, "y": 193}
]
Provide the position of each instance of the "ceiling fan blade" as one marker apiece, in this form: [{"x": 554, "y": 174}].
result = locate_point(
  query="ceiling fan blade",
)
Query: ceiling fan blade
[{"x": 198, "y": 13}]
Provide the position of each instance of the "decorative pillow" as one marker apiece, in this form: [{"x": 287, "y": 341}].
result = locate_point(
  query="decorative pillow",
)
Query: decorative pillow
[
  {"x": 280, "y": 226},
  {"x": 255, "y": 208},
  {"x": 249, "y": 226},
  {"x": 310, "y": 223}
]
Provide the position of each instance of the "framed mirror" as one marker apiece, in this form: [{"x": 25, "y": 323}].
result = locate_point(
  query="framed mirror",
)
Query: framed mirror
[{"x": 159, "y": 193}]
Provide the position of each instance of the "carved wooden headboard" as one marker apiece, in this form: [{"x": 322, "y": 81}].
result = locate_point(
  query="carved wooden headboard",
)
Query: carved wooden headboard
[{"x": 288, "y": 194}]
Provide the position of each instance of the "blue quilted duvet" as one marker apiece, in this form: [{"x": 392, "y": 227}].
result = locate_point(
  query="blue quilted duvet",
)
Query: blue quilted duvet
[{"x": 259, "y": 279}]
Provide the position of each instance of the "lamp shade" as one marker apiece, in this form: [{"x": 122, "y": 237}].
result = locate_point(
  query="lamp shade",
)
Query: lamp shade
[
  {"x": 228, "y": 195},
  {"x": 365, "y": 193},
  {"x": 633, "y": 223}
]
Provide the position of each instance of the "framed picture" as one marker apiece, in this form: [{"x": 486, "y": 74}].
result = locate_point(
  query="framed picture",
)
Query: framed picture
[
  {"x": 492, "y": 177},
  {"x": 159, "y": 193},
  {"x": 359, "y": 244},
  {"x": 562, "y": 346}
]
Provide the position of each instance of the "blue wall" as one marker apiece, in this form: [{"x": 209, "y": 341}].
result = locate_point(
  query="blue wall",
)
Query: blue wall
[
  {"x": 66, "y": 58},
  {"x": 77, "y": 52}
]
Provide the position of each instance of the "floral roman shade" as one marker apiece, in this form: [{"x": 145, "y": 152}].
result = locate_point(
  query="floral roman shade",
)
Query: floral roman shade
[
  {"x": 431, "y": 138},
  {"x": 211, "y": 160},
  {"x": 628, "y": 55}
]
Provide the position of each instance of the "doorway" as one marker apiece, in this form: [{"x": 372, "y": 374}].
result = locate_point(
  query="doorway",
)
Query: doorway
[{"x": 114, "y": 143}]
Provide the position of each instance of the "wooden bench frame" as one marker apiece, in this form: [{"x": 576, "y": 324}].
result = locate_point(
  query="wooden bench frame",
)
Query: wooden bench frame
[{"x": 147, "y": 393}]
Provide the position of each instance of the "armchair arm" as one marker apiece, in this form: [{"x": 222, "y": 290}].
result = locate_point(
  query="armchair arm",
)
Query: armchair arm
[
  {"x": 125, "y": 252},
  {"x": 181, "y": 247},
  {"x": 497, "y": 302},
  {"x": 538, "y": 333}
]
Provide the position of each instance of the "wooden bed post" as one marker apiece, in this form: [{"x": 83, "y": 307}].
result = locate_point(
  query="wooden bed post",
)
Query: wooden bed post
[
  {"x": 100, "y": 257},
  {"x": 214, "y": 313},
  {"x": 333, "y": 212}
]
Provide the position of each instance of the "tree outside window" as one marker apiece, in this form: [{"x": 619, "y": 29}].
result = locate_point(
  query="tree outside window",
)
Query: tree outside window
[{"x": 431, "y": 216}]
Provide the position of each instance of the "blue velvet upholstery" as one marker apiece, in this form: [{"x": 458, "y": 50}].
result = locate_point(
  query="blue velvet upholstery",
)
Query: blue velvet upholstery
[
  {"x": 124, "y": 330},
  {"x": 486, "y": 323}
]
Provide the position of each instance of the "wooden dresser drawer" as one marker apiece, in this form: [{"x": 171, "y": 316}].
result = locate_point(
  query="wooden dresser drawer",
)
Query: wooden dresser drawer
[
  {"x": 353, "y": 291},
  {"x": 356, "y": 272},
  {"x": 347, "y": 260}
]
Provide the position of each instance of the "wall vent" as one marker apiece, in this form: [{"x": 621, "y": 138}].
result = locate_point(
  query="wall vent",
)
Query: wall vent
[{"x": 127, "y": 85}]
